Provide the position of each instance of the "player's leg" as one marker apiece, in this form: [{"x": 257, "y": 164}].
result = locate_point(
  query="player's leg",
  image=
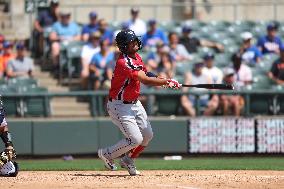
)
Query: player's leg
[{"x": 123, "y": 116}]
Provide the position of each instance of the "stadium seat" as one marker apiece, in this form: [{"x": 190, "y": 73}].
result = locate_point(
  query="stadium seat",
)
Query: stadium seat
[
  {"x": 219, "y": 25},
  {"x": 74, "y": 61},
  {"x": 261, "y": 82},
  {"x": 261, "y": 104},
  {"x": 168, "y": 105},
  {"x": 183, "y": 67},
  {"x": 222, "y": 60},
  {"x": 22, "y": 82}
]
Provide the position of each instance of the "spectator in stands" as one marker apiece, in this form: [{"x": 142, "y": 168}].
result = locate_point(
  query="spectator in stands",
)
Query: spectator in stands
[
  {"x": 192, "y": 43},
  {"x": 22, "y": 66},
  {"x": 276, "y": 72},
  {"x": 153, "y": 35},
  {"x": 243, "y": 74},
  {"x": 250, "y": 53},
  {"x": 215, "y": 74},
  {"x": 123, "y": 26},
  {"x": 46, "y": 18},
  {"x": 88, "y": 51},
  {"x": 64, "y": 31},
  {"x": 102, "y": 65},
  {"x": 91, "y": 27},
  {"x": 136, "y": 24},
  {"x": 177, "y": 50},
  {"x": 6, "y": 56},
  {"x": 106, "y": 33},
  {"x": 188, "y": 102},
  {"x": 271, "y": 43},
  {"x": 154, "y": 58},
  {"x": 231, "y": 104},
  {"x": 166, "y": 64}
]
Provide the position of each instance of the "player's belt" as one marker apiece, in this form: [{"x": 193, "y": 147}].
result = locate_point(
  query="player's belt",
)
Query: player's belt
[{"x": 124, "y": 101}]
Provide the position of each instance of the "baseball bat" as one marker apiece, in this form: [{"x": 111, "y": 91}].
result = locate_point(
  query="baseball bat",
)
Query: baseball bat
[{"x": 211, "y": 86}]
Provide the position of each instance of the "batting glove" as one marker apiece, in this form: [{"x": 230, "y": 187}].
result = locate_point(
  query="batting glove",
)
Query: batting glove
[{"x": 173, "y": 84}]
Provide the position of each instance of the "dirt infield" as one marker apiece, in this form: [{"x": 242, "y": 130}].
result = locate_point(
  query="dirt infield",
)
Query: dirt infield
[{"x": 148, "y": 179}]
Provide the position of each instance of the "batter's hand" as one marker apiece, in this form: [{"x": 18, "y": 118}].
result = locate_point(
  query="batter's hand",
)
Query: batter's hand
[{"x": 173, "y": 84}]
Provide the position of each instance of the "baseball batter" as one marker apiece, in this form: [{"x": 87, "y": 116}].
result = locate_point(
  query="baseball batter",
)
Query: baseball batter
[
  {"x": 124, "y": 109},
  {"x": 7, "y": 166}
]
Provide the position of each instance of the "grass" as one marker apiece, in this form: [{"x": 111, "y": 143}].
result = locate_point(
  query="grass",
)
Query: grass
[{"x": 200, "y": 163}]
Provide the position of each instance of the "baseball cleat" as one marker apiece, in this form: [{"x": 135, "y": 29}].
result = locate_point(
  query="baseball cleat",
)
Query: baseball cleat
[
  {"x": 129, "y": 165},
  {"x": 109, "y": 164}
]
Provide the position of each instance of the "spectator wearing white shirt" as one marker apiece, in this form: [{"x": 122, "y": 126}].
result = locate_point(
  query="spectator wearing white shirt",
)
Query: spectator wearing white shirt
[
  {"x": 243, "y": 74},
  {"x": 212, "y": 71},
  {"x": 136, "y": 24},
  {"x": 88, "y": 51}
]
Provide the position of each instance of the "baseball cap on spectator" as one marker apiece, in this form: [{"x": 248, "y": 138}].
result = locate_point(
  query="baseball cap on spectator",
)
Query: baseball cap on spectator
[
  {"x": 152, "y": 22},
  {"x": 134, "y": 10},
  {"x": 272, "y": 26},
  {"x": 64, "y": 13},
  {"x": 96, "y": 35},
  {"x": 186, "y": 29},
  {"x": 93, "y": 14},
  {"x": 54, "y": 2},
  {"x": 228, "y": 72},
  {"x": 20, "y": 46},
  {"x": 246, "y": 36},
  {"x": 208, "y": 56},
  {"x": 198, "y": 65},
  {"x": 7, "y": 44}
]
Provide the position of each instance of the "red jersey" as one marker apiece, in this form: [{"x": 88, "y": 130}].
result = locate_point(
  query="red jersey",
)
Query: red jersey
[{"x": 124, "y": 83}]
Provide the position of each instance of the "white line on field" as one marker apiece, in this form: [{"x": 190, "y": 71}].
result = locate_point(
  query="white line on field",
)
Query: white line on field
[{"x": 171, "y": 186}]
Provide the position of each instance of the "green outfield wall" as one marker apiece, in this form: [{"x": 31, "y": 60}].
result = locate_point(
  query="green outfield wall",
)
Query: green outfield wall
[{"x": 199, "y": 135}]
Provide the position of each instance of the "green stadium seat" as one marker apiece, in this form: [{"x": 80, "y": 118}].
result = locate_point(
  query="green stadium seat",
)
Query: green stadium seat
[
  {"x": 261, "y": 104},
  {"x": 219, "y": 25},
  {"x": 168, "y": 25},
  {"x": 74, "y": 60},
  {"x": 22, "y": 82},
  {"x": 11, "y": 104},
  {"x": 261, "y": 82},
  {"x": 183, "y": 67},
  {"x": 167, "y": 105},
  {"x": 222, "y": 60}
]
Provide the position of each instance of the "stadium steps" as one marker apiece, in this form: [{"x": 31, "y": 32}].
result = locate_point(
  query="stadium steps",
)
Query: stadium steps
[{"x": 63, "y": 106}]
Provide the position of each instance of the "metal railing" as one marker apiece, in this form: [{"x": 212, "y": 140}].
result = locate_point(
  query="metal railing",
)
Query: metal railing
[{"x": 96, "y": 99}]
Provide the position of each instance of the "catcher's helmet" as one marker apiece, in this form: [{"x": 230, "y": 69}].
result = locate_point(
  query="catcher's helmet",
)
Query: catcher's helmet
[
  {"x": 124, "y": 37},
  {"x": 9, "y": 169}
]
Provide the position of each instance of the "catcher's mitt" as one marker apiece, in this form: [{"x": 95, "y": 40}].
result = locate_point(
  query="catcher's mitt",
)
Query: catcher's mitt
[{"x": 7, "y": 155}]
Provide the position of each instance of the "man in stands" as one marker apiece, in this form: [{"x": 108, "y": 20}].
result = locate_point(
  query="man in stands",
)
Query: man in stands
[
  {"x": 192, "y": 43},
  {"x": 107, "y": 34},
  {"x": 277, "y": 70},
  {"x": 177, "y": 50},
  {"x": 46, "y": 18},
  {"x": 88, "y": 51},
  {"x": 215, "y": 74},
  {"x": 63, "y": 31},
  {"x": 22, "y": 66},
  {"x": 153, "y": 35},
  {"x": 136, "y": 24},
  {"x": 188, "y": 102},
  {"x": 91, "y": 27},
  {"x": 250, "y": 53},
  {"x": 270, "y": 43},
  {"x": 6, "y": 56},
  {"x": 231, "y": 104}
]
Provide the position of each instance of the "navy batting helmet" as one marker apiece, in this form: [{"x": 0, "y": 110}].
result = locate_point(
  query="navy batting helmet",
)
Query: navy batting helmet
[{"x": 124, "y": 37}]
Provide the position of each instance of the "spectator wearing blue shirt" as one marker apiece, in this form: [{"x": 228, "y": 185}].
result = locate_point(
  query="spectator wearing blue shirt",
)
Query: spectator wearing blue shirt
[
  {"x": 106, "y": 33},
  {"x": 45, "y": 19},
  {"x": 91, "y": 27},
  {"x": 102, "y": 65},
  {"x": 63, "y": 31},
  {"x": 271, "y": 43},
  {"x": 153, "y": 35},
  {"x": 250, "y": 53}
]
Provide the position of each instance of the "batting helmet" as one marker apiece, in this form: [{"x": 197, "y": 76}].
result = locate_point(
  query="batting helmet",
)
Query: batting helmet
[{"x": 124, "y": 37}]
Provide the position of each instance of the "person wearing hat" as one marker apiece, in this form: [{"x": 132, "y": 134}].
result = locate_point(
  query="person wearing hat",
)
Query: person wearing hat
[
  {"x": 276, "y": 72},
  {"x": 6, "y": 56},
  {"x": 22, "y": 66},
  {"x": 192, "y": 43},
  {"x": 231, "y": 104},
  {"x": 135, "y": 23},
  {"x": 211, "y": 70},
  {"x": 63, "y": 31},
  {"x": 153, "y": 35},
  {"x": 91, "y": 27},
  {"x": 107, "y": 33},
  {"x": 45, "y": 19},
  {"x": 88, "y": 51},
  {"x": 188, "y": 102},
  {"x": 271, "y": 42},
  {"x": 250, "y": 53}
]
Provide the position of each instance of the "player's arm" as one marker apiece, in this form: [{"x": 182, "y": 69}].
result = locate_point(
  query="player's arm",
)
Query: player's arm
[{"x": 152, "y": 79}]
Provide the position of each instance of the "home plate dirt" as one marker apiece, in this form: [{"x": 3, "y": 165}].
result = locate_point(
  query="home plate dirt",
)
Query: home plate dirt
[{"x": 148, "y": 179}]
